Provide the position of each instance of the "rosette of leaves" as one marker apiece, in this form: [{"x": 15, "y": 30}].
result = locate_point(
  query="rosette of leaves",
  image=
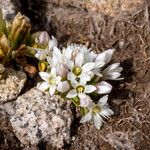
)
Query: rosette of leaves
[{"x": 15, "y": 42}]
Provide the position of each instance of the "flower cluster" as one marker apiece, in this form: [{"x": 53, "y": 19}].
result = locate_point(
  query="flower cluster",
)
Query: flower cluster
[{"x": 78, "y": 74}]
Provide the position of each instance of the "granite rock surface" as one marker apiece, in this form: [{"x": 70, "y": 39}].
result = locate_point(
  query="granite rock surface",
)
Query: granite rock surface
[
  {"x": 11, "y": 84},
  {"x": 39, "y": 117}
]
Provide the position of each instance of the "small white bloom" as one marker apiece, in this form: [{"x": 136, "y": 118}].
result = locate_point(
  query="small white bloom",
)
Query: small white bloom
[
  {"x": 80, "y": 89},
  {"x": 57, "y": 61},
  {"x": 85, "y": 102},
  {"x": 97, "y": 111},
  {"x": 52, "y": 43},
  {"x": 105, "y": 56},
  {"x": 103, "y": 87},
  {"x": 42, "y": 54},
  {"x": 63, "y": 86},
  {"x": 101, "y": 60},
  {"x": 43, "y": 39},
  {"x": 112, "y": 72},
  {"x": 51, "y": 81},
  {"x": 72, "y": 50},
  {"x": 78, "y": 69}
]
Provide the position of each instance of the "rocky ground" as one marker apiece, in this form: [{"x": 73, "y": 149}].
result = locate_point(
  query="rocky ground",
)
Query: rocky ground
[{"x": 100, "y": 24}]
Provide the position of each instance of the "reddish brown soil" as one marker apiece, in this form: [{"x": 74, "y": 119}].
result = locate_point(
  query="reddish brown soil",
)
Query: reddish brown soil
[{"x": 129, "y": 128}]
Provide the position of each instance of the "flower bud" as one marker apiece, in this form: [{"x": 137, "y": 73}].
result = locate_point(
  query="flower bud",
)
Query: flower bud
[
  {"x": 62, "y": 70},
  {"x": 63, "y": 86},
  {"x": 42, "y": 66},
  {"x": 43, "y": 39},
  {"x": 20, "y": 27},
  {"x": 85, "y": 102},
  {"x": 2, "y": 54},
  {"x": 5, "y": 44}
]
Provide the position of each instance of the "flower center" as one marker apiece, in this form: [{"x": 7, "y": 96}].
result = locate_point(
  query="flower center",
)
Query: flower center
[
  {"x": 96, "y": 109},
  {"x": 80, "y": 89},
  {"x": 77, "y": 71},
  {"x": 52, "y": 81}
]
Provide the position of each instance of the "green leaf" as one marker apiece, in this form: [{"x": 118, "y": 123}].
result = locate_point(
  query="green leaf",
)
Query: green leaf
[
  {"x": 2, "y": 24},
  {"x": 76, "y": 101}
]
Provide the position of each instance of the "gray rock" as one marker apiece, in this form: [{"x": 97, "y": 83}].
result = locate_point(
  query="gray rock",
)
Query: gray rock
[
  {"x": 39, "y": 117},
  {"x": 7, "y": 8},
  {"x": 11, "y": 84}
]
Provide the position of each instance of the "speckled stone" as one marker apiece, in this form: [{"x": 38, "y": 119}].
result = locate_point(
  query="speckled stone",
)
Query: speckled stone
[
  {"x": 11, "y": 84},
  {"x": 39, "y": 117},
  {"x": 8, "y": 8}
]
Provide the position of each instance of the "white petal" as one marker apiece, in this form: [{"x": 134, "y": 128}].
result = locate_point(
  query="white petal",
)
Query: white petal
[
  {"x": 71, "y": 94},
  {"x": 62, "y": 70},
  {"x": 88, "y": 67},
  {"x": 97, "y": 121},
  {"x": 71, "y": 76},
  {"x": 89, "y": 88},
  {"x": 82, "y": 95},
  {"x": 105, "y": 56},
  {"x": 43, "y": 86},
  {"x": 58, "y": 79},
  {"x": 103, "y": 101},
  {"x": 52, "y": 43},
  {"x": 45, "y": 76},
  {"x": 99, "y": 64},
  {"x": 79, "y": 60},
  {"x": 103, "y": 87},
  {"x": 41, "y": 54},
  {"x": 86, "y": 118},
  {"x": 85, "y": 102},
  {"x": 74, "y": 83},
  {"x": 49, "y": 60},
  {"x": 106, "y": 113},
  {"x": 53, "y": 72},
  {"x": 43, "y": 39},
  {"x": 52, "y": 90},
  {"x": 63, "y": 87},
  {"x": 69, "y": 63},
  {"x": 97, "y": 72},
  {"x": 112, "y": 75},
  {"x": 113, "y": 66},
  {"x": 84, "y": 78},
  {"x": 55, "y": 43},
  {"x": 57, "y": 52}
]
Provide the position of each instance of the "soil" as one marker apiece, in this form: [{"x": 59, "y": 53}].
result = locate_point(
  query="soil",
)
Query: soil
[{"x": 129, "y": 34}]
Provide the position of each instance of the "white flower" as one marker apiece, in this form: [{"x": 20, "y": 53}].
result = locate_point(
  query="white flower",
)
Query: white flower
[
  {"x": 97, "y": 111},
  {"x": 51, "y": 81},
  {"x": 63, "y": 86},
  {"x": 57, "y": 61},
  {"x": 112, "y": 72},
  {"x": 101, "y": 60},
  {"x": 105, "y": 56},
  {"x": 52, "y": 43},
  {"x": 103, "y": 87},
  {"x": 42, "y": 54},
  {"x": 80, "y": 89},
  {"x": 79, "y": 69},
  {"x": 85, "y": 102},
  {"x": 43, "y": 39},
  {"x": 72, "y": 50}
]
